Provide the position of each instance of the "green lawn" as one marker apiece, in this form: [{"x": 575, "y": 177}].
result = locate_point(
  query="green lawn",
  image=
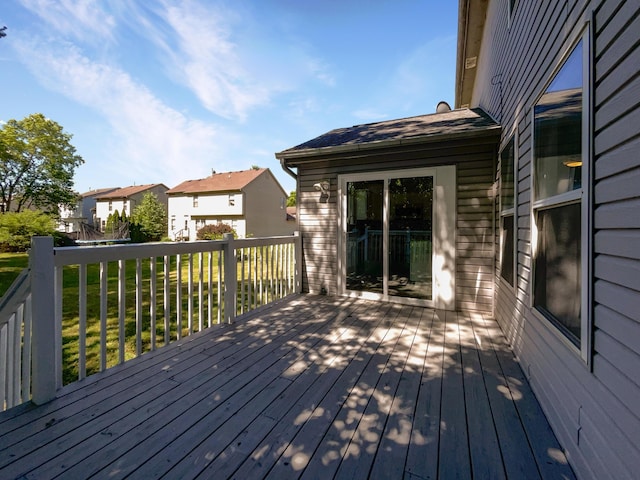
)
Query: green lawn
[{"x": 11, "y": 264}]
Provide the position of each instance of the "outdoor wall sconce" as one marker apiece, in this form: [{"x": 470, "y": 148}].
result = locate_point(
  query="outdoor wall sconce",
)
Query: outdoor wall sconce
[{"x": 323, "y": 188}]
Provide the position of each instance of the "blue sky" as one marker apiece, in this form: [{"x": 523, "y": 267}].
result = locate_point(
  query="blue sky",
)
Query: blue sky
[{"x": 162, "y": 91}]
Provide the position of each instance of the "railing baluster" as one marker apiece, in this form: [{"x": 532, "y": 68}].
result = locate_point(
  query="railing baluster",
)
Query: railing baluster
[
  {"x": 261, "y": 274},
  {"x": 209, "y": 288},
  {"x": 179, "y": 296},
  {"x": 121, "y": 309},
  {"x": 138, "y": 307},
  {"x": 26, "y": 350},
  {"x": 57, "y": 301},
  {"x": 6, "y": 360},
  {"x": 200, "y": 292},
  {"x": 190, "y": 295},
  {"x": 82, "y": 324},
  {"x": 152, "y": 303},
  {"x": 167, "y": 299},
  {"x": 10, "y": 357},
  {"x": 241, "y": 250},
  {"x": 104, "y": 290},
  {"x": 220, "y": 266},
  {"x": 250, "y": 277}
]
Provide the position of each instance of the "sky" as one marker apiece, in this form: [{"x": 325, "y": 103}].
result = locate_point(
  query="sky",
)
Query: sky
[{"x": 162, "y": 91}]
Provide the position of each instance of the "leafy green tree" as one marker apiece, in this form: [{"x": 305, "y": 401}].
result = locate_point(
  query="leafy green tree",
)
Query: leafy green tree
[
  {"x": 113, "y": 221},
  {"x": 149, "y": 218},
  {"x": 17, "y": 228},
  {"x": 291, "y": 201},
  {"x": 37, "y": 164}
]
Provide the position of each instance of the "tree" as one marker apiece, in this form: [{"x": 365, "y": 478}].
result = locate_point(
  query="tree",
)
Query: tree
[
  {"x": 291, "y": 201},
  {"x": 150, "y": 218},
  {"x": 16, "y": 229},
  {"x": 37, "y": 163}
]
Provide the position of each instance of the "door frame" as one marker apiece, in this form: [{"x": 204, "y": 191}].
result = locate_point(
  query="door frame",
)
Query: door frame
[{"x": 443, "y": 234}]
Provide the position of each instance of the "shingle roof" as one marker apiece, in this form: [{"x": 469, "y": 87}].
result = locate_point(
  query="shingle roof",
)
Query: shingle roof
[
  {"x": 219, "y": 182},
  {"x": 424, "y": 126},
  {"x": 98, "y": 191},
  {"x": 126, "y": 192}
]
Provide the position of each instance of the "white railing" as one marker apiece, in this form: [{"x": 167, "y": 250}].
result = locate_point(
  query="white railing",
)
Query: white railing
[
  {"x": 98, "y": 306},
  {"x": 15, "y": 343}
]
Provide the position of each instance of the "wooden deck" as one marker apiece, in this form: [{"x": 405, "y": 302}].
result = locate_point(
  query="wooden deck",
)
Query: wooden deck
[{"x": 311, "y": 387}]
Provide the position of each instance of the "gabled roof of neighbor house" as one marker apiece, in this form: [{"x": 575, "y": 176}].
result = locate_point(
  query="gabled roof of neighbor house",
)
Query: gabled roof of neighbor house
[
  {"x": 98, "y": 192},
  {"x": 420, "y": 129},
  {"x": 218, "y": 182},
  {"x": 126, "y": 192}
]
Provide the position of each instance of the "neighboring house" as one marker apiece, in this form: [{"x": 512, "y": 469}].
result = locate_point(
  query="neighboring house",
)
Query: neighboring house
[
  {"x": 524, "y": 205},
  {"x": 252, "y": 202},
  {"x": 125, "y": 200},
  {"x": 84, "y": 211}
]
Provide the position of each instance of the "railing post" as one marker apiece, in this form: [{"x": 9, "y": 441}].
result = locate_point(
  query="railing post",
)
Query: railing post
[
  {"x": 44, "y": 331},
  {"x": 297, "y": 281},
  {"x": 230, "y": 278}
]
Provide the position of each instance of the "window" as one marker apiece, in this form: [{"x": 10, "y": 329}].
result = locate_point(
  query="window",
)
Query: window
[
  {"x": 507, "y": 212},
  {"x": 232, "y": 200},
  {"x": 110, "y": 205},
  {"x": 560, "y": 206},
  {"x": 195, "y": 201}
]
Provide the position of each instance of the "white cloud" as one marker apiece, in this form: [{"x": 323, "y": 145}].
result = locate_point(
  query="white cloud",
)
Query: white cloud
[
  {"x": 152, "y": 141},
  {"x": 209, "y": 61},
  {"x": 230, "y": 61},
  {"x": 82, "y": 19}
]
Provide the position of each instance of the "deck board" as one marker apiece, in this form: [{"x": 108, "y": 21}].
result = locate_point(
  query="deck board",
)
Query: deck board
[{"x": 311, "y": 387}]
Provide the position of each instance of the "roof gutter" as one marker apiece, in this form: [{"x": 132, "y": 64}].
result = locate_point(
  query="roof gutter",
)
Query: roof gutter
[{"x": 284, "y": 166}]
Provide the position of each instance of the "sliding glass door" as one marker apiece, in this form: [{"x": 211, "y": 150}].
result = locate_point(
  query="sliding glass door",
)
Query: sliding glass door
[{"x": 388, "y": 231}]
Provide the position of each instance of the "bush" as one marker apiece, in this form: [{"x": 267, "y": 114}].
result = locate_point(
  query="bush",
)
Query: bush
[
  {"x": 214, "y": 232},
  {"x": 17, "y": 228}
]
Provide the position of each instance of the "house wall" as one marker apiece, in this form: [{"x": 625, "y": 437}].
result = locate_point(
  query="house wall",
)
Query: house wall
[
  {"x": 103, "y": 212},
  {"x": 211, "y": 208},
  {"x": 475, "y": 232},
  {"x": 265, "y": 209},
  {"x": 127, "y": 204},
  {"x": 593, "y": 409}
]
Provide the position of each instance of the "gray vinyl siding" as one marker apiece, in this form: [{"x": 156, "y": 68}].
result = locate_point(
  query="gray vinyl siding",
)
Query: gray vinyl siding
[
  {"x": 593, "y": 409},
  {"x": 475, "y": 233}
]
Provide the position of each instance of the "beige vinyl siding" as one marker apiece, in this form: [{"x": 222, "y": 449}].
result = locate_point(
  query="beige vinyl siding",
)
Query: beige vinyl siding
[
  {"x": 594, "y": 411},
  {"x": 475, "y": 164}
]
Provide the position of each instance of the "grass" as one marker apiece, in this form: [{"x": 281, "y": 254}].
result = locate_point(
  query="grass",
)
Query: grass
[{"x": 11, "y": 264}]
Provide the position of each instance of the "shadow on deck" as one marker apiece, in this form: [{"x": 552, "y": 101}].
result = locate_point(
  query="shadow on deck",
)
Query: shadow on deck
[{"x": 311, "y": 387}]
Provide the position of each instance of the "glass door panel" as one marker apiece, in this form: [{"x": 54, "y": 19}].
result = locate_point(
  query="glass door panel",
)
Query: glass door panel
[
  {"x": 364, "y": 236},
  {"x": 410, "y": 237}
]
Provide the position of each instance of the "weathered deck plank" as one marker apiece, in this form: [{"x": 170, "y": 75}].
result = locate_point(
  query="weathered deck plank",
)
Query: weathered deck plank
[{"x": 313, "y": 387}]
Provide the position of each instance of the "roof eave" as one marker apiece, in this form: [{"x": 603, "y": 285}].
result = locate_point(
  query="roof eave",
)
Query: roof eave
[
  {"x": 286, "y": 156},
  {"x": 471, "y": 20}
]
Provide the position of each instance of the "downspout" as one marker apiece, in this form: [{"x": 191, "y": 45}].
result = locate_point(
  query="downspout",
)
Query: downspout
[{"x": 288, "y": 170}]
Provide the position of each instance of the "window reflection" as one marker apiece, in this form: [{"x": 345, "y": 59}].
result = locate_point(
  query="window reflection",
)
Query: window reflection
[{"x": 558, "y": 132}]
